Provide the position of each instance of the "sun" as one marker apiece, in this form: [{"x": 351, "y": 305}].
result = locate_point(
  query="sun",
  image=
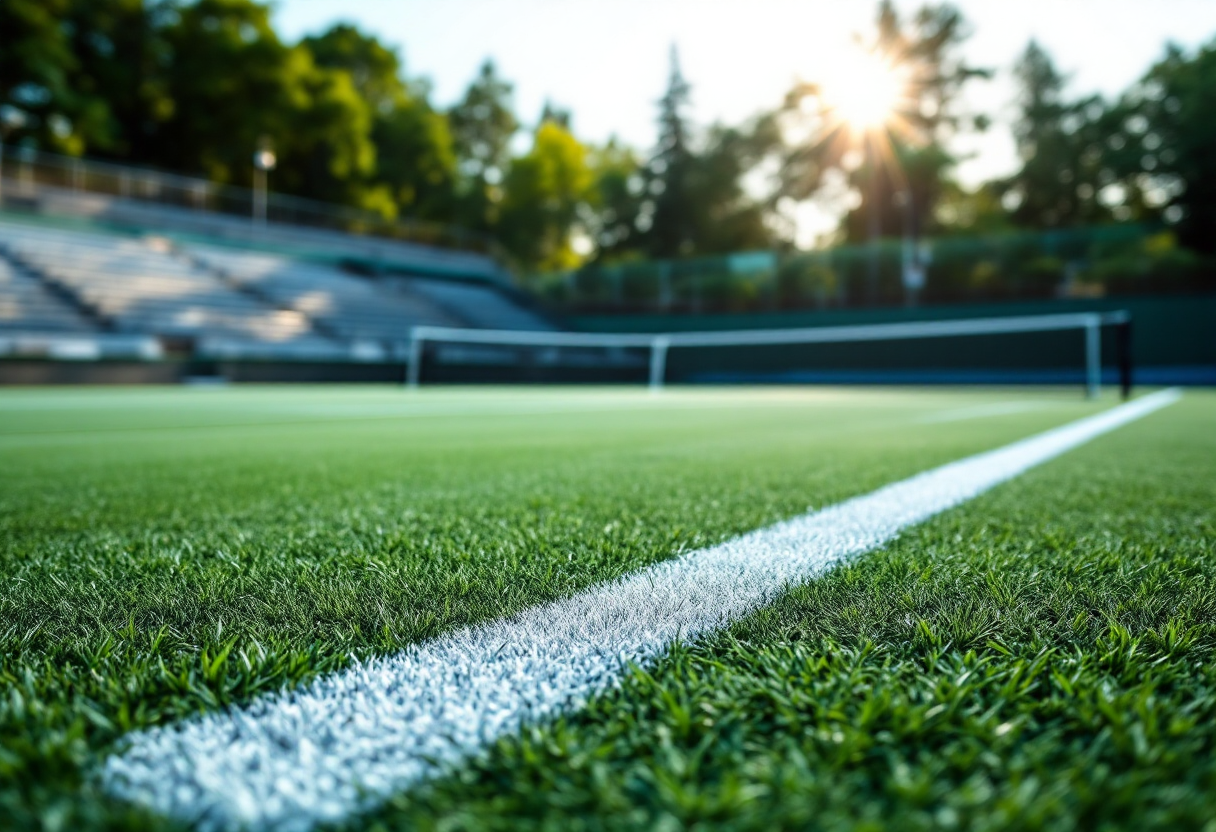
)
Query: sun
[{"x": 865, "y": 91}]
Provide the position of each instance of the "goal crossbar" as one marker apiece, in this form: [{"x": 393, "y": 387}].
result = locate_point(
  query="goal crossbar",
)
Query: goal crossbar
[{"x": 658, "y": 344}]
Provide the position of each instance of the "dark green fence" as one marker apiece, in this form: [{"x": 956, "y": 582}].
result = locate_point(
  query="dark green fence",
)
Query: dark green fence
[{"x": 1087, "y": 262}]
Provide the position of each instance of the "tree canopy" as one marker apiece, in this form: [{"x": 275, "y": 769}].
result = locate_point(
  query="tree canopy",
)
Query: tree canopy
[
  {"x": 1160, "y": 142},
  {"x": 195, "y": 86}
]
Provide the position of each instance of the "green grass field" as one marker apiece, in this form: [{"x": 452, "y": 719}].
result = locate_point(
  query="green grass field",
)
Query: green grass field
[{"x": 1039, "y": 658}]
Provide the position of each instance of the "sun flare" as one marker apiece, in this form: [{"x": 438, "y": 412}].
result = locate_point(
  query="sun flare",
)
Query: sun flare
[{"x": 865, "y": 91}]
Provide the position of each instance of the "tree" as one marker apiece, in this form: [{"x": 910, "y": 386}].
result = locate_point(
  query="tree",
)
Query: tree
[
  {"x": 611, "y": 215},
  {"x": 558, "y": 115},
  {"x": 415, "y": 158},
  {"x": 544, "y": 193},
  {"x": 229, "y": 76},
  {"x": 124, "y": 60},
  {"x": 374, "y": 69},
  {"x": 723, "y": 215},
  {"x": 693, "y": 199},
  {"x": 40, "y": 75},
  {"x": 325, "y": 146},
  {"x": 928, "y": 116},
  {"x": 1159, "y": 144},
  {"x": 972, "y": 212},
  {"x": 482, "y": 125},
  {"x": 187, "y": 86},
  {"x": 668, "y": 212},
  {"x": 1060, "y": 145},
  {"x": 234, "y": 81},
  {"x": 897, "y": 170}
]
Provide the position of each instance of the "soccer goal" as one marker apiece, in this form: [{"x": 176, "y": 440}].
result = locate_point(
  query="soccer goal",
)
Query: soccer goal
[{"x": 646, "y": 356}]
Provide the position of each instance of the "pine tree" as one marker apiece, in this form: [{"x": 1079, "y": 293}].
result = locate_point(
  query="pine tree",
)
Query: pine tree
[
  {"x": 669, "y": 171},
  {"x": 483, "y": 124},
  {"x": 1058, "y": 182}
]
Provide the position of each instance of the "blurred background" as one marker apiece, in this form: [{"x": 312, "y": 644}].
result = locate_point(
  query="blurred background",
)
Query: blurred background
[{"x": 236, "y": 190}]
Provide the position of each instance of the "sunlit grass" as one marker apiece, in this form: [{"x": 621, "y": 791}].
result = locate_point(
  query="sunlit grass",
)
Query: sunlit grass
[
  {"x": 1039, "y": 659},
  {"x": 167, "y": 552}
]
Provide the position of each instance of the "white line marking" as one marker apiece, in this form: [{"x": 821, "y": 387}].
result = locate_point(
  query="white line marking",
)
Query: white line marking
[{"x": 344, "y": 743}]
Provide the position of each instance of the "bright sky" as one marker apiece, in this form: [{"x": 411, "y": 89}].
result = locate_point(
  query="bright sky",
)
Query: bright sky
[{"x": 606, "y": 60}]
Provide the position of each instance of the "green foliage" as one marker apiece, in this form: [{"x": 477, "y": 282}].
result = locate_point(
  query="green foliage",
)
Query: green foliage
[
  {"x": 195, "y": 85},
  {"x": 970, "y": 212},
  {"x": 1007, "y": 264},
  {"x": 415, "y": 162},
  {"x": 618, "y": 197},
  {"x": 44, "y": 76},
  {"x": 233, "y": 82},
  {"x": 327, "y": 149},
  {"x": 483, "y": 125},
  {"x": 543, "y": 194},
  {"x": 668, "y": 212},
  {"x": 1042, "y": 275},
  {"x": 724, "y": 217},
  {"x": 375, "y": 69},
  {"x": 416, "y": 159},
  {"x": 694, "y": 201},
  {"x": 726, "y": 291},
  {"x": 1060, "y": 144},
  {"x": 1153, "y": 264},
  {"x": 1161, "y": 135},
  {"x": 807, "y": 281}
]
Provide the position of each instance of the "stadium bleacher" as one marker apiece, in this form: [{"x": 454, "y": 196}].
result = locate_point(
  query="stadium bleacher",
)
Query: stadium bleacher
[
  {"x": 302, "y": 240},
  {"x": 227, "y": 302},
  {"x": 26, "y": 304},
  {"x": 140, "y": 285},
  {"x": 479, "y": 305},
  {"x": 345, "y": 306}
]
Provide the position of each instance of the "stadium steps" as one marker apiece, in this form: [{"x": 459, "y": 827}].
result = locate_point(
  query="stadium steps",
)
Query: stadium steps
[
  {"x": 139, "y": 286},
  {"x": 312, "y": 241},
  {"x": 344, "y": 305},
  {"x": 212, "y": 300},
  {"x": 479, "y": 305},
  {"x": 254, "y": 291},
  {"x": 32, "y": 300}
]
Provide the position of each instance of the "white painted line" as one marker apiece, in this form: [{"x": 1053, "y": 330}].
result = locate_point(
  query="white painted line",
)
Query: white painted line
[{"x": 346, "y": 742}]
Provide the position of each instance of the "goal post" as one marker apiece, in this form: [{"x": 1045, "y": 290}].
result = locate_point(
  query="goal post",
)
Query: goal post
[{"x": 660, "y": 344}]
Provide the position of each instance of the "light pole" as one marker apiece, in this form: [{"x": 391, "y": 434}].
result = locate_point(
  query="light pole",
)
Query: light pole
[
  {"x": 10, "y": 119},
  {"x": 916, "y": 255},
  {"x": 263, "y": 162},
  {"x": 874, "y": 219}
]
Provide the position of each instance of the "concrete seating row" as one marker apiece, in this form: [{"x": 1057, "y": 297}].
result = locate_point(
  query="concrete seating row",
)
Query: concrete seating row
[
  {"x": 144, "y": 285},
  {"x": 348, "y": 306},
  {"x": 26, "y": 304}
]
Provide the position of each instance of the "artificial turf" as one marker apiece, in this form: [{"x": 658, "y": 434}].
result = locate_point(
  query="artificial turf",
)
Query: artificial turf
[{"x": 1041, "y": 656}]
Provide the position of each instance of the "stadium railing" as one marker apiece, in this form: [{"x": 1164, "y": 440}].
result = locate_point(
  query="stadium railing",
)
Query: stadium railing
[
  {"x": 24, "y": 170},
  {"x": 659, "y": 344}
]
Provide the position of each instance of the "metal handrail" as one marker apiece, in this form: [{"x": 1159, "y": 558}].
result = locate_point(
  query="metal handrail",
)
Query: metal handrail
[{"x": 26, "y": 169}]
